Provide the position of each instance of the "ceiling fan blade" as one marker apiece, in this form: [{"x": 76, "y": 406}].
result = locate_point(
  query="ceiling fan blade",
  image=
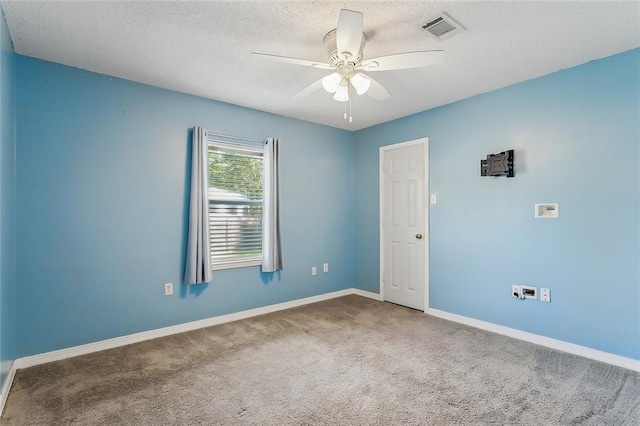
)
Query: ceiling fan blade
[
  {"x": 310, "y": 89},
  {"x": 349, "y": 33},
  {"x": 377, "y": 90},
  {"x": 402, "y": 61},
  {"x": 294, "y": 61}
]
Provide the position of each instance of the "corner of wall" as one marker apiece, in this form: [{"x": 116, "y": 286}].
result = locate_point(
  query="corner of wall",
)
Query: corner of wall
[{"x": 7, "y": 208}]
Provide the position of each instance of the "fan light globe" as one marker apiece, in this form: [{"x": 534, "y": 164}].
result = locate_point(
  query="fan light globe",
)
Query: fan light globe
[
  {"x": 342, "y": 93},
  {"x": 360, "y": 83},
  {"x": 331, "y": 82}
]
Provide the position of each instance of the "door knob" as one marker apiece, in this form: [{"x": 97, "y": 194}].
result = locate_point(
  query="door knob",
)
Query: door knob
[{"x": 419, "y": 236}]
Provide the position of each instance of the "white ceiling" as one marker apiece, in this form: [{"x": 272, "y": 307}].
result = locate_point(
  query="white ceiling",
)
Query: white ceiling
[{"x": 203, "y": 48}]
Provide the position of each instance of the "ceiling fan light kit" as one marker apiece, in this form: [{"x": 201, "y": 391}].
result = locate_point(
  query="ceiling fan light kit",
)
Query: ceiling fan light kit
[
  {"x": 335, "y": 83},
  {"x": 361, "y": 83},
  {"x": 342, "y": 93},
  {"x": 331, "y": 82},
  {"x": 345, "y": 46}
]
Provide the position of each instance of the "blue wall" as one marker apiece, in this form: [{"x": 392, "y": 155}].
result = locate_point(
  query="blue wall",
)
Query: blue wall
[
  {"x": 576, "y": 137},
  {"x": 102, "y": 207},
  {"x": 102, "y": 182},
  {"x": 7, "y": 202}
]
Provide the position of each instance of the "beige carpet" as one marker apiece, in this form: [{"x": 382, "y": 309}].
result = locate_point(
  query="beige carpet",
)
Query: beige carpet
[{"x": 347, "y": 361}]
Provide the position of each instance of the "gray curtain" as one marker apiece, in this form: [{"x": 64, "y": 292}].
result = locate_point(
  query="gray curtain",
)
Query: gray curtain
[
  {"x": 271, "y": 238},
  {"x": 198, "y": 267}
]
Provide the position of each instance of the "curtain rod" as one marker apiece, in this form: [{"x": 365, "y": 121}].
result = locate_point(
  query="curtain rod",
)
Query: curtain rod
[{"x": 240, "y": 138}]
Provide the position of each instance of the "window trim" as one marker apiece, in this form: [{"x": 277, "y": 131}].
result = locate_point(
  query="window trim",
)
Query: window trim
[{"x": 239, "y": 149}]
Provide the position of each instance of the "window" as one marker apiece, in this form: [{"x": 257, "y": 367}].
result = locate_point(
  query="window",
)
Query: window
[{"x": 235, "y": 205}]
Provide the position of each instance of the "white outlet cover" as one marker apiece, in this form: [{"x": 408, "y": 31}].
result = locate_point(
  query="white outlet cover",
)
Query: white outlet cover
[
  {"x": 325, "y": 267},
  {"x": 168, "y": 289},
  {"x": 434, "y": 199},
  {"x": 314, "y": 271},
  {"x": 545, "y": 295}
]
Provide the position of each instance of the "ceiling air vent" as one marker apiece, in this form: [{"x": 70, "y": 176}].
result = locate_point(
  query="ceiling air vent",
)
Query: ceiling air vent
[{"x": 443, "y": 26}]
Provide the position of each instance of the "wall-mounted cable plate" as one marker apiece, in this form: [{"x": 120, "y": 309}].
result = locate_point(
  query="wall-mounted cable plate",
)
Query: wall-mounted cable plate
[
  {"x": 546, "y": 211},
  {"x": 529, "y": 292}
]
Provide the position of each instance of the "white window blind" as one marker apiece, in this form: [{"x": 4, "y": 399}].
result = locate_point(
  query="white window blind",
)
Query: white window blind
[{"x": 235, "y": 205}]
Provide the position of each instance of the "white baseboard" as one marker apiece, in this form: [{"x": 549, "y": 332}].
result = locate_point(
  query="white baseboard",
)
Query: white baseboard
[
  {"x": 548, "y": 342},
  {"x": 61, "y": 354},
  {"x": 102, "y": 345},
  {"x": 7, "y": 386},
  {"x": 364, "y": 293}
]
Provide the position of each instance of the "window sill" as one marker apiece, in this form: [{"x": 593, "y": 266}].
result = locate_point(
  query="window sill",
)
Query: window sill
[{"x": 234, "y": 265}]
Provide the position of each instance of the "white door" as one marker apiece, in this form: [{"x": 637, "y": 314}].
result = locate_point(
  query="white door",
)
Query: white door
[{"x": 404, "y": 230}]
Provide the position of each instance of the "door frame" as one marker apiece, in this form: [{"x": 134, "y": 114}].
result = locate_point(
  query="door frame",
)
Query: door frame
[{"x": 425, "y": 142}]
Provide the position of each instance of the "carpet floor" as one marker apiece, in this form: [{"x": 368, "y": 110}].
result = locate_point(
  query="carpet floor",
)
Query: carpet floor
[{"x": 346, "y": 361}]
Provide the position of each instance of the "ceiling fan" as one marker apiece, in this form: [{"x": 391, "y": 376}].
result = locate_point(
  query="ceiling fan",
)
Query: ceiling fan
[{"x": 344, "y": 49}]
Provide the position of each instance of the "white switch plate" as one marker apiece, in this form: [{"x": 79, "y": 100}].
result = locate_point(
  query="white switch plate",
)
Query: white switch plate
[
  {"x": 325, "y": 267},
  {"x": 314, "y": 271},
  {"x": 434, "y": 200},
  {"x": 545, "y": 295},
  {"x": 168, "y": 289}
]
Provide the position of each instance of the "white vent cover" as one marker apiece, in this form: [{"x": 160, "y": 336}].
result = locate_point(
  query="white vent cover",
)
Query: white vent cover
[{"x": 443, "y": 26}]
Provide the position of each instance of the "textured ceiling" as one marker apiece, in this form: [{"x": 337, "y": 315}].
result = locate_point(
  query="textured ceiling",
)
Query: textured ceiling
[{"x": 204, "y": 48}]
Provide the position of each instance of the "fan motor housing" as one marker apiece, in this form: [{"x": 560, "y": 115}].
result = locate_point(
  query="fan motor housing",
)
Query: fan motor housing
[{"x": 332, "y": 48}]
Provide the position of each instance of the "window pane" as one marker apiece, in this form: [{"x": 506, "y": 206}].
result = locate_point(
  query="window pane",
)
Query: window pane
[
  {"x": 235, "y": 204},
  {"x": 235, "y": 175},
  {"x": 235, "y": 230}
]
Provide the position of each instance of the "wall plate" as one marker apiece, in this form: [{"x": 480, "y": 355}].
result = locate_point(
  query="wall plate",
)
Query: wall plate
[
  {"x": 529, "y": 292},
  {"x": 546, "y": 211}
]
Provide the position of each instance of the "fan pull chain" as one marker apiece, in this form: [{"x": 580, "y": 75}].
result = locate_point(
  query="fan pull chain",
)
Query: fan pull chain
[
  {"x": 345, "y": 110},
  {"x": 350, "y": 117}
]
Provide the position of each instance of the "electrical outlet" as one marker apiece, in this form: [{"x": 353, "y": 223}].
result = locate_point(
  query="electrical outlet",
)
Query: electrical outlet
[
  {"x": 545, "y": 295},
  {"x": 434, "y": 199},
  {"x": 314, "y": 271},
  {"x": 168, "y": 289},
  {"x": 325, "y": 267}
]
